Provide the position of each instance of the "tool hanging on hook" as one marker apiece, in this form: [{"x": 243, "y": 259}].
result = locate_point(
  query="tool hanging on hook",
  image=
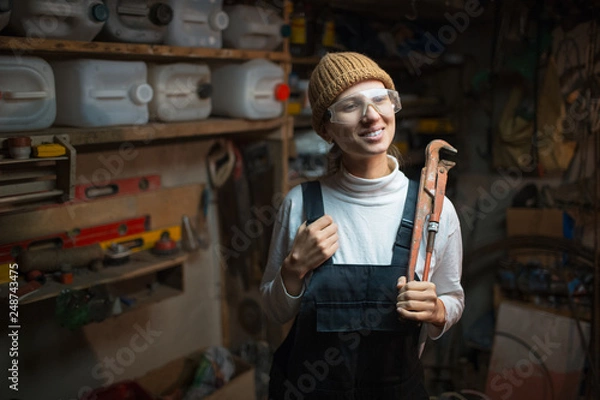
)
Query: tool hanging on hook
[
  {"x": 414, "y": 13},
  {"x": 432, "y": 190}
]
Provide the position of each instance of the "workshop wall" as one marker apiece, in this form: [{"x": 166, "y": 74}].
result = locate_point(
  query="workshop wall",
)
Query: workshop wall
[{"x": 66, "y": 363}]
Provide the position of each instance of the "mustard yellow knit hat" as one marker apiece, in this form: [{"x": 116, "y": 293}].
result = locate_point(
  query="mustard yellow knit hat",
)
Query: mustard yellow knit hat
[{"x": 335, "y": 73}]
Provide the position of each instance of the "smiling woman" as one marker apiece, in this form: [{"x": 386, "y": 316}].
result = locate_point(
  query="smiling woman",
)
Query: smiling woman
[{"x": 339, "y": 254}]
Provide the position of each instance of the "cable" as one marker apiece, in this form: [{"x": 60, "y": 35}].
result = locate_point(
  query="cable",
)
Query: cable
[
  {"x": 476, "y": 393},
  {"x": 532, "y": 350},
  {"x": 584, "y": 344}
]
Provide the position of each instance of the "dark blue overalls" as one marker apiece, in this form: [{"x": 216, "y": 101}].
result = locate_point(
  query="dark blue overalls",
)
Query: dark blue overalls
[{"x": 347, "y": 341}]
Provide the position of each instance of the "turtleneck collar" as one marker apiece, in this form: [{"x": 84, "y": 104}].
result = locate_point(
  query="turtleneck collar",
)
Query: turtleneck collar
[{"x": 360, "y": 187}]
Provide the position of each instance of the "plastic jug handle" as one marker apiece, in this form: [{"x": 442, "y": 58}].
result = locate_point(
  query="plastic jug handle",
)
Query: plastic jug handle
[
  {"x": 24, "y": 95},
  {"x": 54, "y": 9},
  {"x": 108, "y": 94},
  {"x": 133, "y": 10},
  {"x": 195, "y": 17}
]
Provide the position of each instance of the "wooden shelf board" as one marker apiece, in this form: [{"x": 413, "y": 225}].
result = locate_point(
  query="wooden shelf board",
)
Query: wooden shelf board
[
  {"x": 161, "y": 292},
  {"x": 8, "y": 161},
  {"x": 142, "y": 263},
  {"x": 313, "y": 60},
  {"x": 155, "y": 130},
  {"x": 22, "y": 45}
]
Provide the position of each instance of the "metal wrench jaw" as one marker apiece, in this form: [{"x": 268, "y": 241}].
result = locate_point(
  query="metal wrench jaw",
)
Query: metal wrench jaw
[{"x": 433, "y": 149}]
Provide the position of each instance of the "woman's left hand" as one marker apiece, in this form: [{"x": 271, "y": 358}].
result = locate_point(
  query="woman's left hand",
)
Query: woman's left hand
[{"x": 418, "y": 301}]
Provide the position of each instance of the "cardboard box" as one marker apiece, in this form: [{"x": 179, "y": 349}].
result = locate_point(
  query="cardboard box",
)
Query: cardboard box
[
  {"x": 179, "y": 373},
  {"x": 536, "y": 355},
  {"x": 534, "y": 221}
]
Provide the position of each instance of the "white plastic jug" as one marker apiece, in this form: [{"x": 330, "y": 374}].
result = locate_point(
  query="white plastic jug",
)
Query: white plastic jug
[
  {"x": 252, "y": 28},
  {"x": 197, "y": 23},
  {"x": 58, "y": 19},
  {"x": 137, "y": 21},
  {"x": 27, "y": 95},
  {"x": 5, "y": 8},
  {"x": 255, "y": 89},
  {"x": 182, "y": 91},
  {"x": 101, "y": 92}
]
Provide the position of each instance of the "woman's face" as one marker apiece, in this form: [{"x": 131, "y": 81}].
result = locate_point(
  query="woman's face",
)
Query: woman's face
[{"x": 371, "y": 135}]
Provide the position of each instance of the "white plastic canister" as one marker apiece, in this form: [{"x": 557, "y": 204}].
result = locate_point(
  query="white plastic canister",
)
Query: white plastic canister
[
  {"x": 197, "y": 23},
  {"x": 255, "y": 89},
  {"x": 27, "y": 95},
  {"x": 58, "y": 19},
  {"x": 182, "y": 91},
  {"x": 5, "y": 8},
  {"x": 137, "y": 21},
  {"x": 252, "y": 28},
  {"x": 101, "y": 92}
]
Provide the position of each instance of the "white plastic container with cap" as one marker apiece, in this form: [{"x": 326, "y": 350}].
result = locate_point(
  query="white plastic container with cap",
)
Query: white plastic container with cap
[
  {"x": 27, "y": 94},
  {"x": 252, "y": 28},
  {"x": 255, "y": 89},
  {"x": 92, "y": 93},
  {"x": 182, "y": 91},
  {"x": 197, "y": 23},
  {"x": 137, "y": 21},
  {"x": 5, "y": 9},
  {"x": 58, "y": 19}
]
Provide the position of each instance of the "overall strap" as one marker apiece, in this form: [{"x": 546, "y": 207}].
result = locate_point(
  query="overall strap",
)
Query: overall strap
[
  {"x": 312, "y": 199},
  {"x": 404, "y": 235}
]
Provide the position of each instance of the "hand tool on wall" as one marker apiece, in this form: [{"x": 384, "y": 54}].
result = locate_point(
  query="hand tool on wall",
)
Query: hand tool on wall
[
  {"x": 260, "y": 176},
  {"x": 50, "y": 260},
  {"x": 77, "y": 237},
  {"x": 203, "y": 235},
  {"x": 221, "y": 160},
  {"x": 189, "y": 237},
  {"x": 228, "y": 176},
  {"x": 432, "y": 189},
  {"x": 145, "y": 240},
  {"x": 120, "y": 187}
]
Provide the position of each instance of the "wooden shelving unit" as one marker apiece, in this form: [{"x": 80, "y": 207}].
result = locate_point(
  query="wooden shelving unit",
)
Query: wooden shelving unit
[
  {"x": 144, "y": 267},
  {"x": 142, "y": 264},
  {"x": 22, "y": 46},
  {"x": 156, "y": 131}
]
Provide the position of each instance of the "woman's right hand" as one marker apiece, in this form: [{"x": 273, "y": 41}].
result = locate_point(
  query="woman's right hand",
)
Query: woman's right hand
[{"x": 313, "y": 245}]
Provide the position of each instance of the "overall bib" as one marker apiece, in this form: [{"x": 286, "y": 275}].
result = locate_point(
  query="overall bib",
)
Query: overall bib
[{"x": 347, "y": 341}]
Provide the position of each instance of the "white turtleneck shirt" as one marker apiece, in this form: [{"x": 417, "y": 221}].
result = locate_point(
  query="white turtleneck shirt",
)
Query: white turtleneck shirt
[{"x": 367, "y": 213}]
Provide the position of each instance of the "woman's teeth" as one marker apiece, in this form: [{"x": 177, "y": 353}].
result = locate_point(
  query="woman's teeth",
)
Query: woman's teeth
[{"x": 373, "y": 134}]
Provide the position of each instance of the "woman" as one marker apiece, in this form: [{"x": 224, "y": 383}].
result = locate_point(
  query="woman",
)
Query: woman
[{"x": 339, "y": 254}]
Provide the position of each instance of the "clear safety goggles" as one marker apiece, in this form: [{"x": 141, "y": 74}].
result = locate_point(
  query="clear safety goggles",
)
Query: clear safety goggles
[{"x": 351, "y": 109}]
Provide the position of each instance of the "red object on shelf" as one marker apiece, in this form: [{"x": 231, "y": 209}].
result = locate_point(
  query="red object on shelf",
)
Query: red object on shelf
[
  {"x": 119, "y": 187},
  {"x": 125, "y": 390},
  {"x": 66, "y": 278},
  {"x": 76, "y": 238},
  {"x": 282, "y": 92},
  {"x": 165, "y": 245}
]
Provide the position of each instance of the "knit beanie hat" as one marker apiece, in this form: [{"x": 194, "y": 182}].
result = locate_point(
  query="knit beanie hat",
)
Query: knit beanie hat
[{"x": 335, "y": 73}]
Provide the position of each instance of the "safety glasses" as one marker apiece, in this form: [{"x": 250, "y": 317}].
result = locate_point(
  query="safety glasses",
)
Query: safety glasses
[{"x": 351, "y": 109}]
